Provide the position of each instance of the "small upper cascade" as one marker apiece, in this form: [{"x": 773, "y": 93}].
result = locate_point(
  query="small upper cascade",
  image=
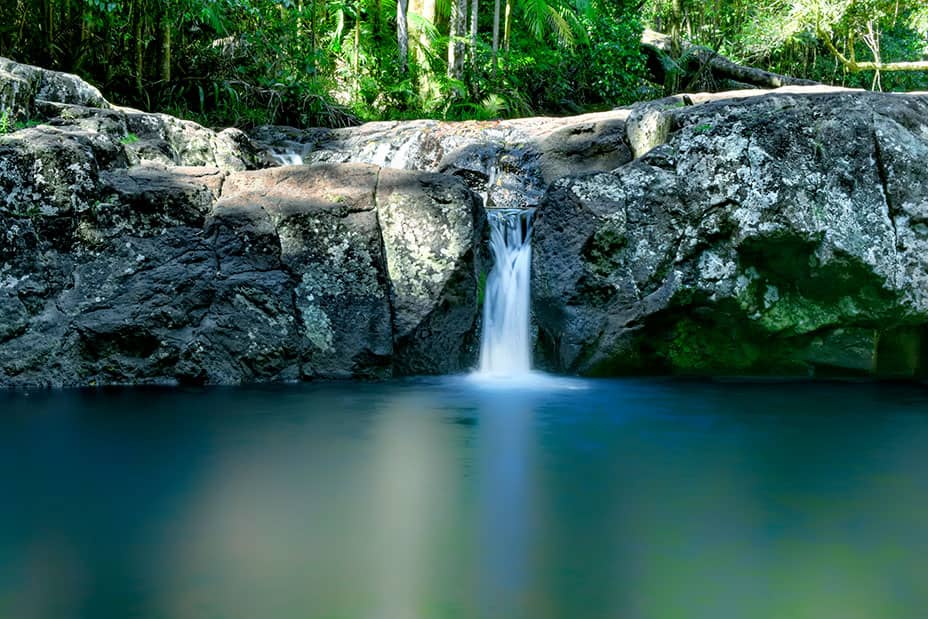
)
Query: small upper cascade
[
  {"x": 287, "y": 158},
  {"x": 505, "y": 348},
  {"x": 384, "y": 154},
  {"x": 493, "y": 173}
]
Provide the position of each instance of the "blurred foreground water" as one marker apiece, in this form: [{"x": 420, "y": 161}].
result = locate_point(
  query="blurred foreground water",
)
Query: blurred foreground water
[{"x": 457, "y": 498}]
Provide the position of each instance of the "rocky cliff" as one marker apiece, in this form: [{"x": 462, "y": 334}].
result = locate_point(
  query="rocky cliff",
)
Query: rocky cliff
[
  {"x": 138, "y": 248},
  {"x": 778, "y": 232},
  {"x": 782, "y": 233}
]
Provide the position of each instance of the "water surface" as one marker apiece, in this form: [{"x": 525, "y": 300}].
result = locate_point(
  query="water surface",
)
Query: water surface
[{"x": 452, "y": 498}]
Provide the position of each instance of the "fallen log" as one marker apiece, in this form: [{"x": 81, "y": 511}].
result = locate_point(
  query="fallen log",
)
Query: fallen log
[{"x": 696, "y": 63}]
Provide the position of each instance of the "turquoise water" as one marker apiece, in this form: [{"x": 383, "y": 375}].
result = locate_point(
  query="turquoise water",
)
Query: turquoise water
[{"x": 445, "y": 498}]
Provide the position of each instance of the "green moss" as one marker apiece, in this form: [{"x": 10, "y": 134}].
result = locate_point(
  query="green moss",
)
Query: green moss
[
  {"x": 899, "y": 352},
  {"x": 27, "y": 124},
  {"x": 807, "y": 295},
  {"x": 603, "y": 252},
  {"x": 700, "y": 347},
  {"x": 129, "y": 138},
  {"x": 6, "y": 120},
  {"x": 797, "y": 314}
]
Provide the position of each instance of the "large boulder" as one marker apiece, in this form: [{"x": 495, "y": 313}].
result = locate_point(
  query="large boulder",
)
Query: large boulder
[
  {"x": 23, "y": 84},
  {"x": 433, "y": 229},
  {"x": 111, "y": 292},
  {"x": 737, "y": 233},
  {"x": 139, "y": 248},
  {"x": 778, "y": 234},
  {"x": 118, "y": 136},
  {"x": 193, "y": 275},
  {"x": 46, "y": 171},
  {"x": 326, "y": 222}
]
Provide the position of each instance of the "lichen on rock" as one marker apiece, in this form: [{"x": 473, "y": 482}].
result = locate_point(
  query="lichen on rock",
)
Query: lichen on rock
[{"x": 759, "y": 234}]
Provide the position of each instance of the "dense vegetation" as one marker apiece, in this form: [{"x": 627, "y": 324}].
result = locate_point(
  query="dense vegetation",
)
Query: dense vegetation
[
  {"x": 312, "y": 62},
  {"x": 879, "y": 44}
]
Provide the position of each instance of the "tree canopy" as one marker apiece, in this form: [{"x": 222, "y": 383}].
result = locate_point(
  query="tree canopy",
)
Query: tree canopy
[{"x": 333, "y": 62}]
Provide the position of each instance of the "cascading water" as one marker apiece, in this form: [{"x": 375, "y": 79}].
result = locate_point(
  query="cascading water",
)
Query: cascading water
[
  {"x": 505, "y": 348},
  {"x": 287, "y": 158}
]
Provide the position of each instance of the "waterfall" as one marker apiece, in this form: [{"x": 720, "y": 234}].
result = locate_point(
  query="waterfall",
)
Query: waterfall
[
  {"x": 287, "y": 158},
  {"x": 505, "y": 348},
  {"x": 492, "y": 173}
]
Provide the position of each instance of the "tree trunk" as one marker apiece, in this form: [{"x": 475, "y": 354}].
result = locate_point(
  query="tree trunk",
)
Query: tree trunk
[
  {"x": 375, "y": 18},
  {"x": 50, "y": 30},
  {"x": 312, "y": 37},
  {"x": 851, "y": 64},
  {"x": 139, "y": 48},
  {"x": 425, "y": 9},
  {"x": 402, "y": 35},
  {"x": 495, "y": 36},
  {"x": 506, "y": 28},
  {"x": 300, "y": 28},
  {"x": 357, "y": 48},
  {"x": 474, "y": 6},
  {"x": 458, "y": 32},
  {"x": 165, "y": 49}
]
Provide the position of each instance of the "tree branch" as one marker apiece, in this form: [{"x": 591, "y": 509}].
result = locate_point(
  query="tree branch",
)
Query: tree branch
[{"x": 855, "y": 66}]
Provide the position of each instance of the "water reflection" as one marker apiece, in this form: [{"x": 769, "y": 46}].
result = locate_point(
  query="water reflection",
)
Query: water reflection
[
  {"x": 507, "y": 505},
  {"x": 453, "y": 499}
]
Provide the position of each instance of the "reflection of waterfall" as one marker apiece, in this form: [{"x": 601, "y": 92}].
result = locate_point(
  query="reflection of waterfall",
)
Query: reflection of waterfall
[
  {"x": 510, "y": 509},
  {"x": 505, "y": 346}
]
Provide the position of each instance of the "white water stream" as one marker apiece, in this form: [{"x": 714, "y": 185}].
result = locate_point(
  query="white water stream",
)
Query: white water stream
[
  {"x": 505, "y": 348},
  {"x": 287, "y": 158}
]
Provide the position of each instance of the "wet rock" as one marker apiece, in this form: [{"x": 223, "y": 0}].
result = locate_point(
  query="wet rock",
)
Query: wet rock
[
  {"x": 46, "y": 171},
  {"x": 136, "y": 248},
  {"x": 755, "y": 233},
  {"x": 595, "y": 144},
  {"x": 147, "y": 200},
  {"x": 159, "y": 138}
]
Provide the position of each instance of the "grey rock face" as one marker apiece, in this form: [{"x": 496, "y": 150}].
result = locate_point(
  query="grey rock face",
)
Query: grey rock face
[
  {"x": 24, "y": 84},
  {"x": 330, "y": 245},
  {"x": 776, "y": 234},
  {"x": 191, "y": 274},
  {"x": 432, "y": 232},
  {"x": 510, "y": 161},
  {"x": 46, "y": 171},
  {"x": 117, "y": 136}
]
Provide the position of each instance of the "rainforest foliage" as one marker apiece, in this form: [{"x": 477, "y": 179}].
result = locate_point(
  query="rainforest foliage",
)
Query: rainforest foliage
[{"x": 334, "y": 62}]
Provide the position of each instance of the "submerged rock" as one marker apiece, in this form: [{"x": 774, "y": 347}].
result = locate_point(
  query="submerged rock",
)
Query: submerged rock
[{"x": 778, "y": 234}]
